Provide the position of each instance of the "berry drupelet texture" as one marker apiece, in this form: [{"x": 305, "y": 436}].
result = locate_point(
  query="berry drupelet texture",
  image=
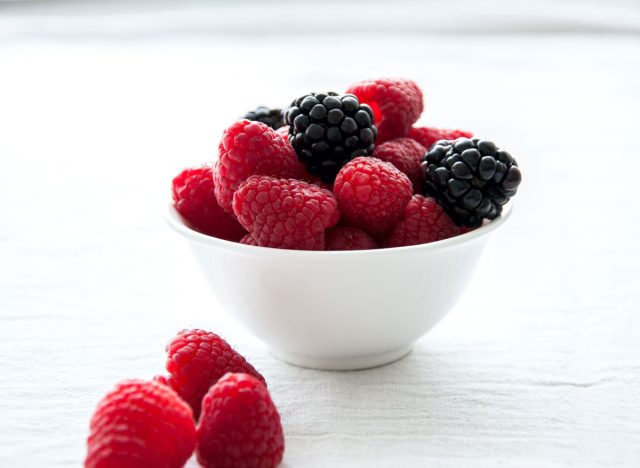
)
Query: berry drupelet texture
[
  {"x": 406, "y": 155},
  {"x": 248, "y": 240},
  {"x": 141, "y": 424},
  {"x": 424, "y": 221},
  {"x": 396, "y": 103},
  {"x": 270, "y": 117},
  {"x": 251, "y": 148},
  {"x": 239, "y": 426},
  {"x": 194, "y": 197},
  {"x": 285, "y": 213},
  {"x": 283, "y": 132},
  {"x": 328, "y": 130},
  {"x": 372, "y": 194},
  {"x": 427, "y": 136},
  {"x": 349, "y": 238},
  {"x": 471, "y": 178},
  {"x": 196, "y": 359}
]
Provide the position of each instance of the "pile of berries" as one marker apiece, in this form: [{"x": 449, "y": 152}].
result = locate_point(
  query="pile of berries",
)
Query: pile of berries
[
  {"x": 346, "y": 172},
  {"x": 212, "y": 402}
]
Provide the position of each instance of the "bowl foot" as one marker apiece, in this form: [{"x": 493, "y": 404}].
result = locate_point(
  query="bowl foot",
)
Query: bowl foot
[{"x": 341, "y": 363}]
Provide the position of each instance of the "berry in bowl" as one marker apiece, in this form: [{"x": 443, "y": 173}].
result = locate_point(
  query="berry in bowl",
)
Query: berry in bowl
[{"x": 345, "y": 234}]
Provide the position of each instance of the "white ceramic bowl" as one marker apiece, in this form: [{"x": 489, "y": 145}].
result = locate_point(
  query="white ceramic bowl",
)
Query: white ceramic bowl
[{"x": 338, "y": 310}]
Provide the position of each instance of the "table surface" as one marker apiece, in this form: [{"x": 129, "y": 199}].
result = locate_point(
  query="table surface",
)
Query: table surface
[{"x": 537, "y": 365}]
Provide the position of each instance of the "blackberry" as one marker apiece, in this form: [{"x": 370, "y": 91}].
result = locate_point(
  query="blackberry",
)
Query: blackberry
[
  {"x": 270, "y": 117},
  {"x": 328, "y": 130},
  {"x": 470, "y": 178}
]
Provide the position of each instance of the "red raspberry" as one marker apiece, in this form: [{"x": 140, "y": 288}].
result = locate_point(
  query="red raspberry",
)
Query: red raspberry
[
  {"x": 140, "y": 424},
  {"x": 162, "y": 379},
  {"x": 424, "y": 221},
  {"x": 252, "y": 148},
  {"x": 396, "y": 104},
  {"x": 349, "y": 238},
  {"x": 195, "y": 199},
  {"x": 283, "y": 132},
  {"x": 427, "y": 136},
  {"x": 372, "y": 194},
  {"x": 248, "y": 240},
  {"x": 240, "y": 426},
  {"x": 196, "y": 359},
  {"x": 406, "y": 154},
  {"x": 285, "y": 213}
]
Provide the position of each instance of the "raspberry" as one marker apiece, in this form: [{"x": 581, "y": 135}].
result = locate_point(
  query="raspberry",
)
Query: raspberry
[
  {"x": 424, "y": 221},
  {"x": 372, "y": 194},
  {"x": 194, "y": 198},
  {"x": 270, "y": 117},
  {"x": 248, "y": 240},
  {"x": 283, "y": 132},
  {"x": 240, "y": 426},
  {"x": 251, "y": 148},
  {"x": 427, "y": 136},
  {"x": 396, "y": 104},
  {"x": 471, "y": 179},
  {"x": 140, "y": 424},
  {"x": 196, "y": 359},
  {"x": 405, "y": 154},
  {"x": 349, "y": 238},
  {"x": 161, "y": 379},
  {"x": 285, "y": 213}
]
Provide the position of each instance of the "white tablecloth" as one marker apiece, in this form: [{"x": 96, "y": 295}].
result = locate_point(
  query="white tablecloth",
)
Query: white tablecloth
[{"x": 536, "y": 366}]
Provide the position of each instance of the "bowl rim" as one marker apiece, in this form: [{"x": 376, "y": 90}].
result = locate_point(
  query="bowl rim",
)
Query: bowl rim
[{"x": 178, "y": 224}]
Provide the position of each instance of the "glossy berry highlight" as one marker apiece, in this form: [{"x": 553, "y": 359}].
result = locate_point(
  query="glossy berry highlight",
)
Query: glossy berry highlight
[
  {"x": 471, "y": 178},
  {"x": 327, "y": 130}
]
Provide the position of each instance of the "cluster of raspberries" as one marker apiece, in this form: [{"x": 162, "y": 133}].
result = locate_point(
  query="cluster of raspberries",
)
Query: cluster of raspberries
[
  {"x": 346, "y": 172},
  {"x": 212, "y": 402}
]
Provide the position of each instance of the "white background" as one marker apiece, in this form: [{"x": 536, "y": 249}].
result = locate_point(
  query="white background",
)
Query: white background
[{"x": 102, "y": 103}]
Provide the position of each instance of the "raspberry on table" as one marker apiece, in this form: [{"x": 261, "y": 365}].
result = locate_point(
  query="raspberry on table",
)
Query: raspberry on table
[
  {"x": 396, "y": 104},
  {"x": 196, "y": 359},
  {"x": 140, "y": 424},
  {"x": 270, "y": 117},
  {"x": 406, "y": 155},
  {"x": 285, "y": 213},
  {"x": 471, "y": 178},
  {"x": 427, "y": 136},
  {"x": 424, "y": 221},
  {"x": 239, "y": 426},
  {"x": 252, "y": 148},
  {"x": 327, "y": 130},
  {"x": 195, "y": 199},
  {"x": 372, "y": 194},
  {"x": 349, "y": 238}
]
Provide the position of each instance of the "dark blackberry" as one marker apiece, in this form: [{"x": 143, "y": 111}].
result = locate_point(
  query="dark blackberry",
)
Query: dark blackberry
[
  {"x": 271, "y": 117},
  {"x": 470, "y": 178},
  {"x": 328, "y": 130}
]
